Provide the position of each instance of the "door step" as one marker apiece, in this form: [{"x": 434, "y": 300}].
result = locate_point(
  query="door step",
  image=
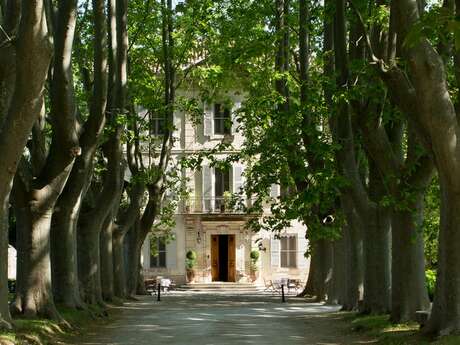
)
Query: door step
[{"x": 220, "y": 287}]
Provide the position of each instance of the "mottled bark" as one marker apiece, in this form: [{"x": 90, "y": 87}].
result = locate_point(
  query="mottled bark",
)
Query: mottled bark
[
  {"x": 375, "y": 218},
  {"x": 139, "y": 233},
  {"x": 125, "y": 222},
  {"x": 409, "y": 292},
  {"x": 41, "y": 193},
  {"x": 92, "y": 221},
  {"x": 33, "y": 54},
  {"x": 377, "y": 244},
  {"x": 320, "y": 275},
  {"x": 65, "y": 217},
  {"x": 426, "y": 90},
  {"x": 91, "y": 224},
  {"x": 353, "y": 260},
  {"x": 106, "y": 252}
]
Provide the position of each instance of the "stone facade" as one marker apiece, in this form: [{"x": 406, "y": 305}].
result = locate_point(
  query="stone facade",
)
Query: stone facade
[{"x": 204, "y": 214}]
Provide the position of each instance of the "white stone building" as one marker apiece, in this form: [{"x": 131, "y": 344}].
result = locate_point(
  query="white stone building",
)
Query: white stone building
[{"x": 203, "y": 224}]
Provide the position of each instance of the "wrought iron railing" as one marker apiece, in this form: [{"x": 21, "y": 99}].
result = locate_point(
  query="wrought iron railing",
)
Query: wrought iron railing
[{"x": 215, "y": 205}]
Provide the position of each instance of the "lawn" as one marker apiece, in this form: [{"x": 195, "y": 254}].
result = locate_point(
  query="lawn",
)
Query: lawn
[
  {"x": 44, "y": 332},
  {"x": 386, "y": 333}
]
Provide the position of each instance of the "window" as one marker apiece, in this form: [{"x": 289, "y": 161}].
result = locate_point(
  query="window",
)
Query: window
[
  {"x": 222, "y": 119},
  {"x": 289, "y": 251},
  {"x": 158, "y": 253},
  {"x": 221, "y": 185},
  {"x": 157, "y": 125},
  {"x": 222, "y": 182}
]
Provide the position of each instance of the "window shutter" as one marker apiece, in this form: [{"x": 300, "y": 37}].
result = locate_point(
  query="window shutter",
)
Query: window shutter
[
  {"x": 177, "y": 124},
  {"x": 234, "y": 117},
  {"x": 275, "y": 191},
  {"x": 302, "y": 245},
  {"x": 171, "y": 254},
  {"x": 207, "y": 120},
  {"x": 237, "y": 178},
  {"x": 275, "y": 252},
  {"x": 207, "y": 187}
]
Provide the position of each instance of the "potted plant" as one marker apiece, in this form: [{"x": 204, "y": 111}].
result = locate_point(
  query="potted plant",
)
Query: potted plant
[
  {"x": 227, "y": 202},
  {"x": 190, "y": 262},
  {"x": 254, "y": 268}
]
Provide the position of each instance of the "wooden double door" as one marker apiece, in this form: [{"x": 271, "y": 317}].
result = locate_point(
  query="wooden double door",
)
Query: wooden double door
[{"x": 223, "y": 255}]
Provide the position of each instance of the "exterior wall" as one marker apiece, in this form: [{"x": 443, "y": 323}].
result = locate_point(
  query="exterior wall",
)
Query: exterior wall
[
  {"x": 12, "y": 262},
  {"x": 194, "y": 233},
  {"x": 175, "y": 256},
  {"x": 196, "y": 222}
]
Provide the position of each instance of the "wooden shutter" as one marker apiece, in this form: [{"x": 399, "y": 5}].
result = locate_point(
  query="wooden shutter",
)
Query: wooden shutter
[
  {"x": 207, "y": 120},
  {"x": 207, "y": 187},
  {"x": 302, "y": 245},
  {"x": 275, "y": 252}
]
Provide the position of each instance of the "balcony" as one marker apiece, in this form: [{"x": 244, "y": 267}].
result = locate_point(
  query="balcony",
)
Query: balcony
[{"x": 216, "y": 205}]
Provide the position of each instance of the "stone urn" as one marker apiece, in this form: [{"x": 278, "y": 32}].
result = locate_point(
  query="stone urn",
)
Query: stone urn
[{"x": 190, "y": 275}]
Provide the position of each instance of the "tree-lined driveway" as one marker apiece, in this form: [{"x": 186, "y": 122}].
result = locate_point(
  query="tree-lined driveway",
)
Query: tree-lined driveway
[{"x": 223, "y": 319}]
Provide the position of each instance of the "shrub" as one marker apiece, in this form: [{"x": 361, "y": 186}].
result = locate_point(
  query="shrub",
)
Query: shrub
[
  {"x": 254, "y": 255},
  {"x": 190, "y": 260},
  {"x": 191, "y": 255}
]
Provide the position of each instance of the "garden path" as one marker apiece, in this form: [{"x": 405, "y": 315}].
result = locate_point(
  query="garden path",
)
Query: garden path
[{"x": 224, "y": 319}]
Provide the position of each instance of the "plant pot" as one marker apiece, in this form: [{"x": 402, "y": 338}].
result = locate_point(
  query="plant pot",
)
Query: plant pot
[
  {"x": 190, "y": 275},
  {"x": 253, "y": 276}
]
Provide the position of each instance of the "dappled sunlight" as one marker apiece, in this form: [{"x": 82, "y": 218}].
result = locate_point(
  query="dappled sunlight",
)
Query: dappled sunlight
[{"x": 224, "y": 320}]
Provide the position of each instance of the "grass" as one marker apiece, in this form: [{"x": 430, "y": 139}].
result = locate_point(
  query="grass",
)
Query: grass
[
  {"x": 47, "y": 332},
  {"x": 386, "y": 333}
]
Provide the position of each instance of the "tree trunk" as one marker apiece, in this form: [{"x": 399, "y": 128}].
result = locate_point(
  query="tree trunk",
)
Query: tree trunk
[
  {"x": 89, "y": 273},
  {"x": 135, "y": 246},
  {"x": 119, "y": 265},
  {"x": 320, "y": 274},
  {"x": 125, "y": 222},
  {"x": 34, "y": 293},
  {"x": 309, "y": 289},
  {"x": 325, "y": 269},
  {"x": 339, "y": 281},
  {"x": 107, "y": 268},
  {"x": 377, "y": 275},
  {"x": 353, "y": 258},
  {"x": 33, "y": 55},
  {"x": 65, "y": 218},
  {"x": 445, "y": 316},
  {"x": 92, "y": 221},
  {"x": 40, "y": 193},
  {"x": 64, "y": 254},
  {"x": 409, "y": 292}
]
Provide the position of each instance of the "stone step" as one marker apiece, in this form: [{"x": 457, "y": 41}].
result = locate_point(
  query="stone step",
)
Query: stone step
[{"x": 220, "y": 286}]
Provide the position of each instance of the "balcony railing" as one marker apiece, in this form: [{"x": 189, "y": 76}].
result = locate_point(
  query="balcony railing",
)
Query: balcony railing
[{"x": 215, "y": 205}]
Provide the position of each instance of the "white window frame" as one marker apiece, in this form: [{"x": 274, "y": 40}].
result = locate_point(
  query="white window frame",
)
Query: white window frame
[
  {"x": 225, "y": 121},
  {"x": 155, "y": 125},
  {"x": 288, "y": 252}
]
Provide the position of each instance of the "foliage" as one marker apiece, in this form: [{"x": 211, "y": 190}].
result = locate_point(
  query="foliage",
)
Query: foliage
[
  {"x": 190, "y": 259},
  {"x": 430, "y": 282},
  {"x": 431, "y": 223},
  {"x": 254, "y": 255},
  {"x": 191, "y": 255}
]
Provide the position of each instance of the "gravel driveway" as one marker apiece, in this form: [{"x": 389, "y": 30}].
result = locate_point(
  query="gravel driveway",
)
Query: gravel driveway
[{"x": 223, "y": 319}]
